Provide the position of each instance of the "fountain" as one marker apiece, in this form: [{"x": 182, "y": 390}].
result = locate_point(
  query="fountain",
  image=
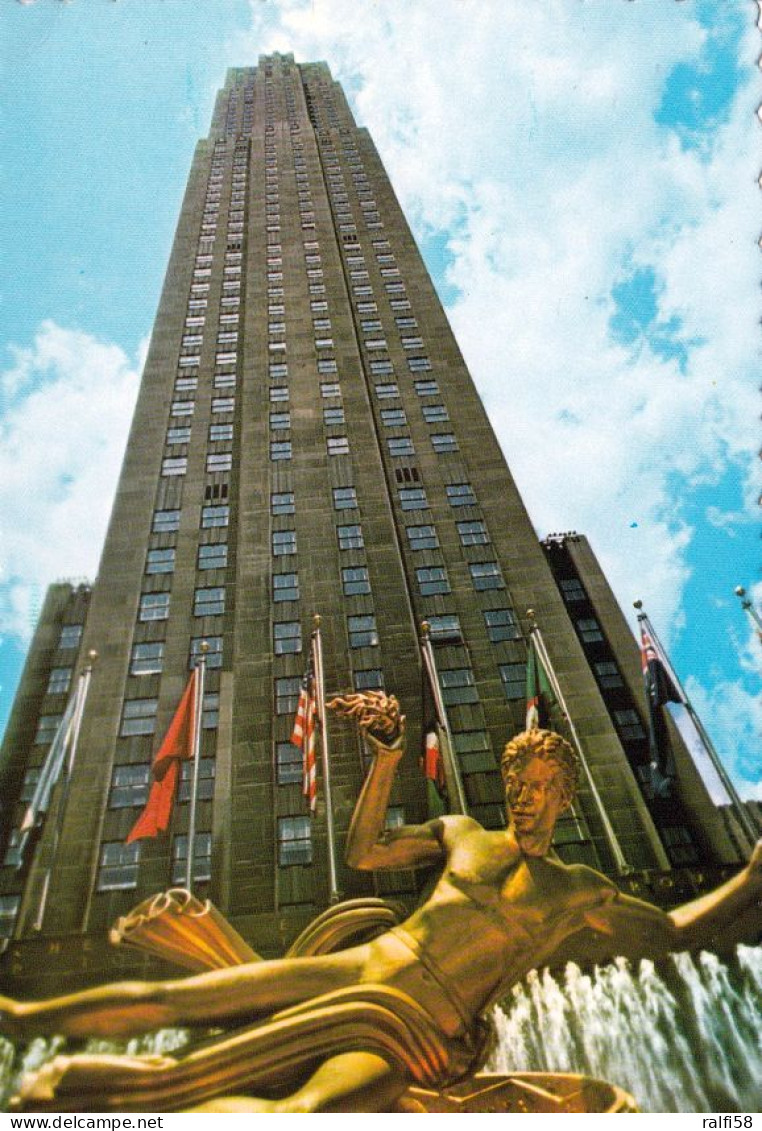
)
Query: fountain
[{"x": 684, "y": 1037}]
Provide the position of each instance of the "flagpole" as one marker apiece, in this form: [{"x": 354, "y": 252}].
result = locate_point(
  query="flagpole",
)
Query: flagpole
[
  {"x": 620, "y": 859},
  {"x": 749, "y": 609},
  {"x": 427, "y": 652},
  {"x": 83, "y": 687},
  {"x": 316, "y": 643},
  {"x": 197, "y": 722},
  {"x": 735, "y": 801}
]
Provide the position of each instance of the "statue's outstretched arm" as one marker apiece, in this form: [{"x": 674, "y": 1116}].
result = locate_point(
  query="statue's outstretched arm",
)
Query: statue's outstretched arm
[
  {"x": 369, "y": 845},
  {"x": 732, "y": 912}
]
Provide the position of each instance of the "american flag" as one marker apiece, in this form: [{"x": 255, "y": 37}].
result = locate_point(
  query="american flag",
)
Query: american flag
[{"x": 303, "y": 735}]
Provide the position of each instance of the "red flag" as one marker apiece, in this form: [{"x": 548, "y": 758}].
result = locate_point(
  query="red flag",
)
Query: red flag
[
  {"x": 303, "y": 736},
  {"x": 176, "y": 747},
  {"x": 434, "y": 772}
]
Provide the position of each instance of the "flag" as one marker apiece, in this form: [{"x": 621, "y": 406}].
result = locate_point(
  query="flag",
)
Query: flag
[
  {"x": 177, "y": 747},
  {"x": 541, "y": 698},
  {"x": 434, "y": 772},
  {"x": 50, "y": 773},
  {"x": 660, "y": 689},
  {"x": 303, "y": 735}
]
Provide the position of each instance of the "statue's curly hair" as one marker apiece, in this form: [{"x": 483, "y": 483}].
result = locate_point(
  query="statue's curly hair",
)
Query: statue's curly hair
[{"x": 548, "y": 747}]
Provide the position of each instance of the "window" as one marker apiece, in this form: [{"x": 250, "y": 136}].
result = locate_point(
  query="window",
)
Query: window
[
  {"x": 220, "y": 432},
  {"x": 202, "y": 858},
  {"x": 289, "y": 763},
  {"x": 219, "y": 462},
  {"x": 514, "y": 677},
  {"x": 282, "y": 502},
  {"x": 370, "y": 679},
  {"x": 406, "y": 323},
  {"x": 589, "y": 630},
  {"x": 324, "y": 343},
  {"x": 165, "y": 522},
  {"x": 280, "y": 450},
  {"x": 153, "y": 606},
  {"x": 501, "y": 625},
  {"x": 138, "y": 717},
  {"x": 362, "y": 631},
  {"x": 178, "y": 435},
  {"x": 350, "y": 537},
  {"x": 214, "y": 516},
  {"x": 400, "y": 446},
  {"x": 223, "y": 404},
  {"x": 628, "y": 724},
  {"x": 206, "y": 773},
  {"x": 458, "y": 686},
  {"x": 129, "y": 786},
  {"x": 381, "y": 368},
  {"x": 213, "y": 655},
  {"x": 330, "y": 389},
  {"x": 287, "y": 637},
  {"x": 287, "y": 695},
  {"x": 432, "y": 580},
  {"x": 9, "y": 909},
  {"x": 71, "y": 634},
  {"x": 338, "y": 446},
  {"x": 435, "y": 413},
  {"x": 59, "y": 681},
  {"x": 418, "y": 364},
  {"x": 412, "y": 343},
  {"x": 182, "y": 408},
  {"x": 13, "y": 857},
  {"x": 327, "y": 365},
  {"x": 444, "y": 442},
  {"x": 445, "y": 629},
  {"x": 118, "y": 866},
  {"x": 608, "y": 674},
  {"x": 186, "y": 384},
  {"x": 209, "y": 602},
  {"x": 472, "y": 533},
  {"x": 571, "y": 590},
  {"x": 393, "y": 417},
  {"x": 294, "y": 841},
  {"x": 332, "y": 416},
  {"x": 147, "y": 659},
  {"x": 285, "y": 587},
  {"x": 47, "y": 725},
  {"x": 413, "y": 499},
  {"x": 355, "y": 581},
  {"x": 210, "y": 714},
  {"x": 486, "y": 575},
  {"x": 278, "y": 393},
  {"x": 160, "y": 561},
  {"x": 213, "y": 556},
  {"x": 387, "y": 392},
  {"x": 422, "y": 537},
  {"x": 284, "y": 542},
  {"x": 344, "y": 498},
  {"x": 174, "y": 466},
  {"x": 280, "y": 419},
  {"x": 29, "y": 784},
  {"x": 224, "y": 380},
  {"x": 460, "y": 495}
]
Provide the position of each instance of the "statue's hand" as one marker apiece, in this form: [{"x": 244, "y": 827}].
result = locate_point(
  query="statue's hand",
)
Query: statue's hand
[{"x": 377, "y": 714}]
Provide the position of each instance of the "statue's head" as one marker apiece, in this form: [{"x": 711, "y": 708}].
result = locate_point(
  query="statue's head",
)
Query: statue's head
[{"x": 540, "y": 771}]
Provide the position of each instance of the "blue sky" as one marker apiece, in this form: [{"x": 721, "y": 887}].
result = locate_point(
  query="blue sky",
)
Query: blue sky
[{"x": 581, "y": 178}]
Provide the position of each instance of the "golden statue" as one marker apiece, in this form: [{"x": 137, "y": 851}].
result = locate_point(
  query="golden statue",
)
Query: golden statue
[{"x": 407, "y": 1007}]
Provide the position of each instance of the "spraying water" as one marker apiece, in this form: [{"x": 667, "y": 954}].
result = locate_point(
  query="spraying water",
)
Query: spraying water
[{"x": 684, "y": 1038}]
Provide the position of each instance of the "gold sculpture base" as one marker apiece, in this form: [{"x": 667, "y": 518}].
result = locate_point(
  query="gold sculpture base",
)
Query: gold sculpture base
[{"x": 523, "y": 1093}]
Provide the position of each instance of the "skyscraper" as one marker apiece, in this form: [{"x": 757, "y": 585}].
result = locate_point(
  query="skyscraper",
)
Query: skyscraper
[{"x": 307, "y": 440}]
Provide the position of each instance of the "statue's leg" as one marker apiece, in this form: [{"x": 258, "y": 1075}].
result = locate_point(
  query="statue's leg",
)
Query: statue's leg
[
  {"x": 236, "y": 994},
  {"x": 353, "y": 1081}
]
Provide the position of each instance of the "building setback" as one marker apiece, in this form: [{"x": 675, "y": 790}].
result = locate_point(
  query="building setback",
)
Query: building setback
[{"x": 307, "y": 440}]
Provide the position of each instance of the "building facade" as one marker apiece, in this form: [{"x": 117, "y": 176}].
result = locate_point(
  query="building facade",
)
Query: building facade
[{"x": 307, "y": 440}]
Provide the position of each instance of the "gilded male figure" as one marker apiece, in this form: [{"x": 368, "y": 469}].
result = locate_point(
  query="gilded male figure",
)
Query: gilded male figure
[{"x": 503, "y": 905}]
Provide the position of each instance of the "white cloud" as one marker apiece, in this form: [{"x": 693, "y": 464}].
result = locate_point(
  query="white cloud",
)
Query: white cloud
[{"x": 68, "y": 402}]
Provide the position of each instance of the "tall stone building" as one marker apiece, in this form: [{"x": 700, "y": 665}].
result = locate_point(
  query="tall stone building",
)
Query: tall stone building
[{"x": 307, "y": 440}]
